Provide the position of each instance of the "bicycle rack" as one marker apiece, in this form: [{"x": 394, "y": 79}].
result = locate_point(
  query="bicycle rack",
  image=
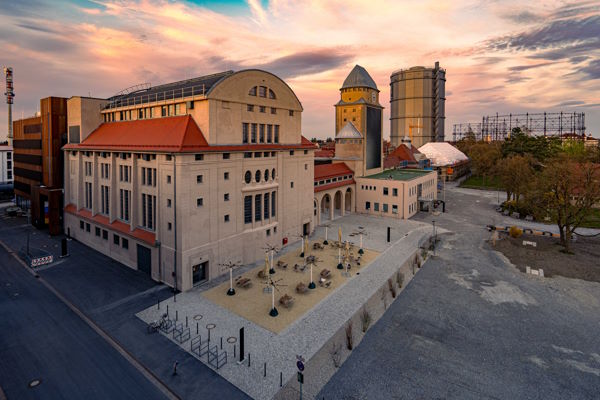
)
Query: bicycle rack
[
  {"x": 216, "y": 359},
  {"x": 167, "y": 327},
  {"x": 180, "y": 333},
  {"x": 198, "y": 346}
]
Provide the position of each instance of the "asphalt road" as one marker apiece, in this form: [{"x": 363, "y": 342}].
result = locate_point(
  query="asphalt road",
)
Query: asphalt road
[
  {"x": 41, "y": 338},
  {"x": 470, "y": 326}
]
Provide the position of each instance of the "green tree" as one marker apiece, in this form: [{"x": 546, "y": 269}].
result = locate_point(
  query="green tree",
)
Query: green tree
[
  {"x": 539, "y": 147},
  {"x": 516, "y": 175},
  {"x": 484, "y": 158}
]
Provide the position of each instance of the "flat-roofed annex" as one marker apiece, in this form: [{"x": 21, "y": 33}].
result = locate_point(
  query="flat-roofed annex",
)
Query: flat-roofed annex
[{"x": 399, "y": 174}]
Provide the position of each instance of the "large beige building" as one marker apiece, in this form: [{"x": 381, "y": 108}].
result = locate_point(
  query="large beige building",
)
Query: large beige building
[
  {"x": 178, "y": 179},
  {"x": 417, "y": 105}
]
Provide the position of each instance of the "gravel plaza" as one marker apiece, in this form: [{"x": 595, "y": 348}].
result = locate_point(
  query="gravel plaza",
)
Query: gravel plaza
[{"x": 271, "y": 357}]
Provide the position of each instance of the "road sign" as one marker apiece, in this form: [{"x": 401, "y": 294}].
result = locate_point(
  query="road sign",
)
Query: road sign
[
  {"x": 300, "y": 377},
  {"x": 300, "y": 366}
]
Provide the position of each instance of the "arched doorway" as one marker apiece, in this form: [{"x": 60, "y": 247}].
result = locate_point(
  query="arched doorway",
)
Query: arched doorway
[
  {"x": 348, "y": 201},
  {"x": 325, "y": 208},
  {"x": 337, "y": 201}
]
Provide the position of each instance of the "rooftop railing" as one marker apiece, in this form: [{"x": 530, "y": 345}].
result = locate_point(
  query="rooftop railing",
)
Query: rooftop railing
[{"x": 129, "y": 100}]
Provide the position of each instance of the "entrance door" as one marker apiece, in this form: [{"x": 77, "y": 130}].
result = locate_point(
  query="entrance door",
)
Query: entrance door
[
  {"x": 199, "y": 272},
  {"x": 144, "y": 259},
  {"x": 306, "y": 229}
]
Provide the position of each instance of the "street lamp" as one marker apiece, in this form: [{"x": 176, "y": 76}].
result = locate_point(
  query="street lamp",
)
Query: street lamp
[{"x": 434, "y": 237}]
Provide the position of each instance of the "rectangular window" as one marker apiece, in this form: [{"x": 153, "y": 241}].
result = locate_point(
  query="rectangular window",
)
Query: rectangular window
[
  {"x": 199, "y": 202},
  {"x": 253, "y": 129},
  {"x": 168, "y": 178},
  {"x": 368, "y": 205},
  {"x": 258, "y": 207},
  {"x": 394, "y": 209},
  {"x": 376, "y": 207},
  {"x": 88, "y": 195},
  {"x": 292, "y": 185},
  {"x": 226, "y": 197},
  {"x": 87, "y": 227},
  {"x": 385, "y": 208},
  {"x": 104, "y": 234},
  {"x": 385, "y": 191},
  {"x": 97, "y": 231},
  {"x": 276, "y": 133},
  {"x": 226, "y": 176},
  {"x": 248, "y": 209},
  {"x": 226, "y": 156},
  {"x": 257, "y": 155},
  {"x": 262, "y": 91},
  {"x": 261, "y": 133},
  {"x": 247, "y": 155},
  {"x": 168, "y": 203},
  {"x": 250, "y": 107},
  {"x": 291, "y": 113},
  {"x": 266, "y": 213},
  {"x": 125, "y": 243},
  {"x": 198, "y": 178},
  {"x": 226, "y": 218},
  {"x": 143, "y": 175},
  {"x": 395, "y": 192},
  {"x": 262, "y": 109},
  {"x": 124, "y": 204},
  {"x": 143, "y": 209},
  {"x": 245, "y": 127},
  {"x": 269, "y": 133},
  {"x": 199, "y": 157},
  {"x": 291, "y": 152},
  {"x": 104, "y": 196},
  {"x": 116, "y": 239},
  {"x": 81, "y": 225},
  {"x": 273, "y": 204},
  {"x": 273, "y": 110},
  {"x": 169, "y": 226}
]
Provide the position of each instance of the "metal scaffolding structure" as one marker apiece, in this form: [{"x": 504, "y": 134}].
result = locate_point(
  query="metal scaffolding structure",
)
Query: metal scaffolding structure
[{"x": 499, "y": 127}]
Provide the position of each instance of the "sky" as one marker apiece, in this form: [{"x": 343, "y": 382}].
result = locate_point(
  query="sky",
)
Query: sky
[{"x": 500, "y": 56}]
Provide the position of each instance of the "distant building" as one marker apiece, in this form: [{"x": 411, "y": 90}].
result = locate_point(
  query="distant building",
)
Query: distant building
[
  {"x": 447, "y": 160},
  {"x": 406, "y": 156},
  {"x": 417, "y": 105},
  {"x": 6, "y": 168},
  {"x": 38, "y": 166},
  {"x": 176, "y": 180}
]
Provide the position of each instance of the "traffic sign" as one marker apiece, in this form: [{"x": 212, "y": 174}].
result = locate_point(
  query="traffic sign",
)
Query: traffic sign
[{"x": 300, "y": 365}]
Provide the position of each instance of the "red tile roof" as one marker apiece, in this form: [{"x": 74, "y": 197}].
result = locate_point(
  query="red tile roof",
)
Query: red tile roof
[
  {"x": 331, "y": 170},
  {"x": 325, "y": 153},
  {"x": 118, "y": 226},
  {"x": 334, "y": 185},
  {"x": 167, "y": 134},
  {"x": 401, "y": 153}
]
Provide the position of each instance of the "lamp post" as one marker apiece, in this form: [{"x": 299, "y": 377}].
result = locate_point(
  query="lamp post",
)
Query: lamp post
[
  {"x": 434, "y": 237},
  {"x": 340, "y": 266},
  {"x": 273, "y": 312},
  {"x": 361, "y": 251},
  {"x": 302, "y": 254},
  {"x": 325, "y": 241},
  {"x": 311, "y": 285},
  {"x": 231, "y": 290}
]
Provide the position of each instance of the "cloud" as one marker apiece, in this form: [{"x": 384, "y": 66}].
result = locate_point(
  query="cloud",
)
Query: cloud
[
  {"x": 570, "y": 103},
  {"x": 578, "y": 59},
  {"x": 307, "y": 62},
  {"x": 518, "y": 68},
  {"x": 517, "y": 79},
  {"x": 591, "y": 70},
  {"x": 523, "y": 17}
]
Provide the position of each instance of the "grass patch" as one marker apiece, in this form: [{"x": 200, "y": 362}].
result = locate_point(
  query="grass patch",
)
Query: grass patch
[
  {"x": 476, "y": 182},
  {"x": 593, "y": 220}
]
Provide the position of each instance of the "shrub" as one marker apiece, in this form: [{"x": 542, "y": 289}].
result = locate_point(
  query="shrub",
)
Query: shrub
[
  {"x": 515, "y": 232},
  {"x": 400, "y": 279},
  {"x": 365, "y": 319},
  {"x": 349, "y": 336},
  {"x": 392, "y": 288}
]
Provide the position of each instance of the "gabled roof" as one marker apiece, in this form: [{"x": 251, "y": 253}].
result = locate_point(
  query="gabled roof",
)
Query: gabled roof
[
  {"x": 401, "y": 153},
  {"x": 166, "y": 135},
  {"x": 169, "y": 134},
  {"x": 349, "y": 131},
  {"x": 324, "y": 171},
  {"x": 359, "y": 77}
]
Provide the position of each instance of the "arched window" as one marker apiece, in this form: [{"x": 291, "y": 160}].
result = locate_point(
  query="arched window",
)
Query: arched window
[
  {"x": 248, "y": 177},
  {"x": 266, "y": 175},
  {"x": 257, "y": 176},
  {"x": 252, "y": 91},
  {"x": 272, "y": 94},
  {"x": 273, "y": 173}
]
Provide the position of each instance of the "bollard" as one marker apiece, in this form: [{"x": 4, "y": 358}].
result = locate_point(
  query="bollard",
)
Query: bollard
[
  {"x": 167, "y": 310},
  {"x": 186, "y": 321},
  {"x": 265, "y": 371},
  {"x": 221, "y": 342},
  {"x": 159, "y": 304},
  {"x": 234, "y": 351},
  {"x": 176, "y": 315},
  {"x": 281, "y": 379},
  {"x": 248, "y": 359},
  {"x": 196, "y": 328}
]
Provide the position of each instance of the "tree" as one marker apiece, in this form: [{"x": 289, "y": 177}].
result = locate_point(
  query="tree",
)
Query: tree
[
  {"x": 568, "y": 190},
  {"x": 539, "y": 147},
  {"x": 516, "y": 175},
  {"x": 484, "y": 157}
]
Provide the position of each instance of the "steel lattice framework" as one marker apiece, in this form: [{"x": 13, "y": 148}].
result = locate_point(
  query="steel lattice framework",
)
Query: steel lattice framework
[{"x": 498, "y": 127}]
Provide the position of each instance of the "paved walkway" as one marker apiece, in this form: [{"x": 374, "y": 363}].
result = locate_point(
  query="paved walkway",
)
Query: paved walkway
[{"x": 309, "y": 333}]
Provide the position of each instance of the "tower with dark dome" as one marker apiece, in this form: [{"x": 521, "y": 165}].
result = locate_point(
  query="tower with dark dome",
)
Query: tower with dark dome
[{"x": 359, "y": 123}]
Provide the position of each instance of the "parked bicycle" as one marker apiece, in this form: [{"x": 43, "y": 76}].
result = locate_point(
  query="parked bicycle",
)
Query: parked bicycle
[{"x": 154, "y": 326}]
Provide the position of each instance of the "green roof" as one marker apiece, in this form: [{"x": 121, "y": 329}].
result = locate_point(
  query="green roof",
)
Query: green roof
[{"x": 399, "y": 174}]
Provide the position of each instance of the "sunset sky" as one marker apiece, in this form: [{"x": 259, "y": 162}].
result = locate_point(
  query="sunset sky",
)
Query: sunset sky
[{"x": 500, "y": 56}]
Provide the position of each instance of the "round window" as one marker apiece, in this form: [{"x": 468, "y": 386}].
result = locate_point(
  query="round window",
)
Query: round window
[
  {"x": 273, "y": 173},
  {"x": 266, "y": 175},
  {"x": 257, "y": 176},
  {"x": 248, "y": 177}
]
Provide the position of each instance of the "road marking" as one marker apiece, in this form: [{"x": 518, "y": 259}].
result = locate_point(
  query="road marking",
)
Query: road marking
[
  {"x": 126, "y": 299},
  {"x": 147, "y": 373}
]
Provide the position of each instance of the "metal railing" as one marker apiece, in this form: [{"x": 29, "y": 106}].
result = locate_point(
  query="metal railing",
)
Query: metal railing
[{"x": 166, "y": 95}]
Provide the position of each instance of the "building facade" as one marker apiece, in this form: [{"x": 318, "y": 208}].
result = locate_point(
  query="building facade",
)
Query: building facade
[
  {"x": 38, "y": 165},
  {"x": 396, "y": 193},
  {"x": 6, "y": 168},
  {"x": 417, "y": 105},
  {"x": 182, "y": 178}
]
